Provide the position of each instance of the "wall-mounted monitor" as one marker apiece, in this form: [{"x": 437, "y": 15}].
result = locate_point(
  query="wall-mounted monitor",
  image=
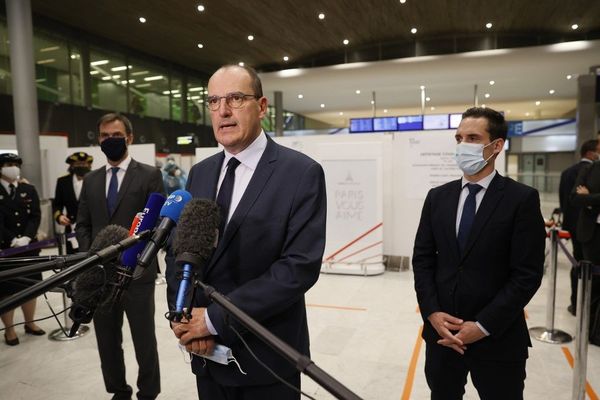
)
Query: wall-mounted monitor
[
  {"x": 455, "y": 120},
  {"x": 358, "y": 125},
  {"x": 385, "y": 124},
  {"x": 410, "y": 123},
  {"x": 435, "y": 121}
]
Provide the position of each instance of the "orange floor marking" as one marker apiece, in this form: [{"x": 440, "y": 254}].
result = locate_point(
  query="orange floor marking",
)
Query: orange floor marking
[
  {"x": 337, "y": 307},
  {"x": 410, "y": 376},
  {"x": 588, "y": 388}
]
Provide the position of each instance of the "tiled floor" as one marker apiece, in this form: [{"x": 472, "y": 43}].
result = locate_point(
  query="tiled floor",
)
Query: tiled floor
[{"x": 363, "y": 332}]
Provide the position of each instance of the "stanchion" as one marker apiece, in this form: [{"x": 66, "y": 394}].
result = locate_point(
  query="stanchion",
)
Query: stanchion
[
  {"x": 59, "y": 334},
  {"x": 584, "y": 300},
  {"x": 547, "y": 333}
]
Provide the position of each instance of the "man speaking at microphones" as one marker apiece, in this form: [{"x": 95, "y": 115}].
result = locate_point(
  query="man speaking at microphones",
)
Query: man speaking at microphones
[
  {"x": 114, "y": 194},
  {"x": 270, "y": 245}
]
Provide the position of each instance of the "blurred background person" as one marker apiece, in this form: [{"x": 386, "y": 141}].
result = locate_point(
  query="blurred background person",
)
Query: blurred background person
[
  {"x": 20, "y": 217},
  {"x": 174, "y": 178}
]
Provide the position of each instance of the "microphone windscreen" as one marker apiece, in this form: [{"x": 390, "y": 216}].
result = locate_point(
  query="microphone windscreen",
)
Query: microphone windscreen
[
  {"x": 109, "y": 235},
  {"x": 197, "y": 228},
  {"x": 147, "y": 220},
  {"x": 174, "y": 204}
]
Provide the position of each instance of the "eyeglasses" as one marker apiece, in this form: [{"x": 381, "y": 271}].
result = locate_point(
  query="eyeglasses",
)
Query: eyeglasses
[{"x": 233, "y": 100}]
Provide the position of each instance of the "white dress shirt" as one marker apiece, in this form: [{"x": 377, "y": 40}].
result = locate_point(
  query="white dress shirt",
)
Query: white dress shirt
[
  {"x": 120, "y": 174},
  {"x": 7, "y": 183},
  {"x": 77, "y": 185}
]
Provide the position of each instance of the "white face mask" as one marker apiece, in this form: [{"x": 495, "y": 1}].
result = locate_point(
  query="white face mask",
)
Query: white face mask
[
  {"x": 469, "y": 157},
  {"x": 11, "y": 173},
  {"x": 221, "y": 354}
]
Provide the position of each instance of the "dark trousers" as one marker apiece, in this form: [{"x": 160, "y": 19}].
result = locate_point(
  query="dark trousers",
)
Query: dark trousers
[
  {"x": 208, "y": 389},
  {"x": 138, "y": 304},
  {"x": 578, "y": 255},
  {"x": 446, "y": 373}
]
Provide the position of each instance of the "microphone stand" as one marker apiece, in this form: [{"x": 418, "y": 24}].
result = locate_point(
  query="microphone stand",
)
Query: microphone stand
[
  {"x": 302, "y": 362},
  {"x": 57, "y": 263},
  {"x": 106, "y": 254}
]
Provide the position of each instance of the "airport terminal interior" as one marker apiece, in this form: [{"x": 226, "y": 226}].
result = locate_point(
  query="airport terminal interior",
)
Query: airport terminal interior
[{"x": 373, "y": 91}]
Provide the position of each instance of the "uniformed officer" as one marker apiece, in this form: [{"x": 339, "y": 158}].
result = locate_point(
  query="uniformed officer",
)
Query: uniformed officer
[
  {"x": 20, "y": 215},
  {"x": 66, "y": 195}
]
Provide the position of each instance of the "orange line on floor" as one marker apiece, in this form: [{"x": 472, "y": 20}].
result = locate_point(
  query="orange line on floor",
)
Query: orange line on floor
[
  {"x": 588, "y": 388},
  {"x": 337, "y": 307},
  {"x": 526, "y": 315},
  {"x": 418, "y": 310},
  {"x": 410, "y": 376}
]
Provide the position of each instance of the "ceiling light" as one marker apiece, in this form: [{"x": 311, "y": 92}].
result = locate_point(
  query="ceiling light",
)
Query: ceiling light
[
  {"x": 427, "y": 98},
  {"x": 537, "y": 103},
  {"x": 569, "y": 76},
  {"x": 74, "y": 56},
  {"x": 143, "y": 85},
  {"x": 346, "y": 42},
  {"x": 322, "y": 105},
  {"x": 492, "y": 83},
  {"x": 46, "y": 49},
  {"x": 200, "y": 8},
  {"x": 357, "y": 91},
  {"x": 341, "y": 113},
  {"x": 432, "y": 108},
  {"x": 106, "y": 78},
  {"x": 286, "y": 58},
  {"x": 300, "y": 96},
  {"x": 153, "y": 78},
  {"x": 483, "y": 106},
  {"x": 321, "y": 16},
  {"x": 413, "y": 30},
  {"x": 99, "y": 62},
  {"x": 142, "y": 20},
  {"x": 46, "y": 61},
  {"x": 241, "y": 63},
  {"x": 195, "y": 89},
  {"x": 116, "y": 76},
  {"x": 195, "y": 97},
  {"x": 94, "y": 72},
  {"x": 139, "y": 73},
  {"x": 422, "y": 87},
  {"x": 527, "y": 114},
  {"x": 488, "y": 25},
  {"x": 402, "y": 1},
  {"x": 551, "y": 91},
  {"x": 200, "y": 45},
  {"x": 386, "y": 110},
  {"x": 487, "y": 95},
  {"x": 250, "y": 37},
  {"x": 177, "y": 95},
  {"x": 121, "y": 68},
  {"x": 574, "y": 26},
  {"x": 372, "y": 102}
]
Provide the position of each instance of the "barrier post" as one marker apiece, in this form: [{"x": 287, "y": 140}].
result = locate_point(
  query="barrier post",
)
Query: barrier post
[
  {"x": 584, "y": 300},
  {"x": 547, "y": 333}
]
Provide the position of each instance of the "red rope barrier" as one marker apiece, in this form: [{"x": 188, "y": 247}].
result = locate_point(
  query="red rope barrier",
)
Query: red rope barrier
[{"x": 328, "y": 258}]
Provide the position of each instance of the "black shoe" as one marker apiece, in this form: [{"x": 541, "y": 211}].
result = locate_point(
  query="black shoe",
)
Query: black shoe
[
  {"x": 11, "y": 342},
  {"x": 39, "y": 332},
  {"x": 571, "y": 309}
]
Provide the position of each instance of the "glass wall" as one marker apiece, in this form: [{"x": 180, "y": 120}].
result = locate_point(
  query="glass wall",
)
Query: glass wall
[
  {"x": 196, "y": 94},
  {"x": 109, "y": 81},
  {"x": 5, "y": 81},
  {"x": 52, "y": 66},
  {"x": 149, "y": 90}
]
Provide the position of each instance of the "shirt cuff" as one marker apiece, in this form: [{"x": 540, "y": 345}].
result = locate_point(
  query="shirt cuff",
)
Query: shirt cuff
[
  {"x": 209, "y": 324},
  {"x": 482, "y": 328}
]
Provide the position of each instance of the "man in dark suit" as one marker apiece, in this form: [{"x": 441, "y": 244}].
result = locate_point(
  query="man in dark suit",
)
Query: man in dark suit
[
  {"x": 113, "y": 194},
  {"x": 66, "y": 194},
  {"x": 570, "y": 213},
  {"x": 478, "y": 259},
  {"x": 270, "y": 247}
]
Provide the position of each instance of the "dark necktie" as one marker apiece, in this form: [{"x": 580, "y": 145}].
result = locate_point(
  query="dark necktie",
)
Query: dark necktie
[
  {"x": 468, "y": 215},
  {"x": 12, "y": 191},
  {"x": 225, "y": 192},
  {"x": 113, "y": 190}
]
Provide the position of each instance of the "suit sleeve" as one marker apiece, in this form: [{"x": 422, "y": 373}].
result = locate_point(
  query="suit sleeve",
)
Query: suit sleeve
[
  {"x": 83, "y": 230},
  {"x": 59, "y": 203},
  {"x": 33, "y": 222},
  {"x": 564, "y": 190},
  {"x": 584, "y": 200},
  {"x": 424, "y": 263},
  {"x": 526, "y": 268},
  {"x": 297, "y": 269},
  {"x": 156, "y": 183}
]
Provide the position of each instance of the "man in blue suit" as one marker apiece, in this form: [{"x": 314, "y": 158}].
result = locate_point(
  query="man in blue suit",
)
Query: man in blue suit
[
  {"x": 478, "y": 260},
  {"x": 271, "y": 242}
]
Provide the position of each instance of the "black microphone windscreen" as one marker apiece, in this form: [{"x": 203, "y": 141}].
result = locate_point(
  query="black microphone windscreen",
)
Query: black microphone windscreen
[
  {"x": 197, "y": 229},
  {"x": 109, "y": 235}
]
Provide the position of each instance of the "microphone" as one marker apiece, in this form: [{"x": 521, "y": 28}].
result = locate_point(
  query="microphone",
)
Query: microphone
[
  {"x": 11, "y": 262},
  {"x": 92, "y": 286},
  {"x": 54, "y": 262},
  {"x": 169, "y": 213},
  {"x": 193, "y": 245},
  {"x": 142, "y": 221}
]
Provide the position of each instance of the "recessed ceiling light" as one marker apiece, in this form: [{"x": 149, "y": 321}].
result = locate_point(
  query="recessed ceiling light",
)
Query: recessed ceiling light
[
  {"x": 286, "y": 58},
  {"x": 422, "y": 87},
  {"x": 386, "y": 110},
  {"x": 142, "y": 20},
  {"x": 402, "y": 1},
  {"x": 537, "y": 103},
  {"x": 357, "y": 91},
  {"x": 322, "y": 105},
  {"x": 551, "y": 91},
  {"x": 569, "y": 76},
  {"x": 341, "y": 113},
  {"x": 250, "y": 37},
  {"x": 153, "y": 78},
  {"x": 413, "y": 30},
  {"x": 492, "y": 83},
  {"x": 74, "y": 56},
  {"x": 346, "y": 42},
  {"x": 321, "y": 16},
  {"x": 432, "y": 108},
  {"x": 200, "y": 7},
  {"x": 102, "y": 62},
  {"x": 372, "y": 102},
  {"x": 527, "y": 114},
  {"x": 46, "y": 49},
  {"x": 94, "y": 72},
  {"x": 241, "y": 64},
  {"x": 574, "y": 26},
  {"x": 427, "y": 98},
  {"x": 121, "y": 68},
  {"x": 483, "y": 106},
  {"x": 200, "y": 46},
  {"x": 46, "y": 61},
  {"x": 300, "y": 96},
  {"x": 487, "y": 95},
  {"x": 489, "y": 25}
]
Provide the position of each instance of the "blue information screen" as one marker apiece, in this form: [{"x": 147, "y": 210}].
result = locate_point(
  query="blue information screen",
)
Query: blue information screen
[
  {"x": 410, "y": 123},
  {"x": 384, "y": 124},
  {"x": 361, "y": 125}
]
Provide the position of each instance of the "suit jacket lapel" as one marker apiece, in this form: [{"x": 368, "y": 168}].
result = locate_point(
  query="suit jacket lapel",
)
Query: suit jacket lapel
[
  {"x": 261, "y": 176},
  {"x": 491, "y": 198},
  {"x": 127, "y": 182},
  {"x": 450, "y": 223}
]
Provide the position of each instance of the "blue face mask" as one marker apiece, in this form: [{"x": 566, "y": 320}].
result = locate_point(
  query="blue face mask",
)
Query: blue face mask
[{"x": 469, "y": 157}]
